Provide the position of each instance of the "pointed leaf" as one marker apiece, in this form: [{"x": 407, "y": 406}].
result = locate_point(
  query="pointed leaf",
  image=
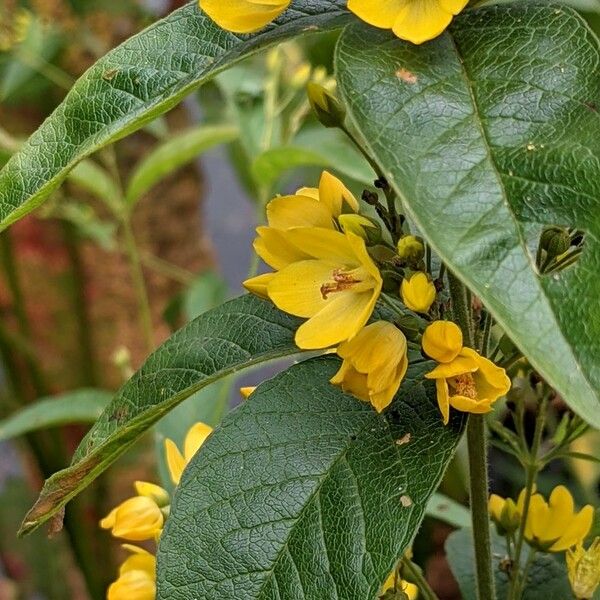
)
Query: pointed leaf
[
  {"x": 488, "y": 134},
  {"x": 236, "y": 335},
  {"x": 141, "y": 79},
  {"x": 304, "y": 492}
]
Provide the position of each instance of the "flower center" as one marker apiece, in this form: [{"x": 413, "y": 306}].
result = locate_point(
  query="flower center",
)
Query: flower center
[
  {"x": 342, "y": 280},
  {"x": 464, "y": 385}
]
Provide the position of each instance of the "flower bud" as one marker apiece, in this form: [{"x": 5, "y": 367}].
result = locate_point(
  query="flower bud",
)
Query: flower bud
[
  {"x": 505, "y": 514},
  {"x": 410, "y": 248},
  {"x": 418, "y": 292},
  {"x": 153, "y": 491},
  {"x": 442, "y": 341},
  {"x": 328, "y": 109},
  {"x": 136, "y": 519},
  {"x": 555, "y": 241}
]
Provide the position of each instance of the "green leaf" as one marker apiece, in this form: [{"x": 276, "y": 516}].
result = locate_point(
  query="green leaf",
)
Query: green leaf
[
  {"x": 79, "y": 406},
  {"x": 173, "y": 154},
  {"x": 95, "y": 180},
  {"x": 489, "y": 133},
  {"x": 241, "y": 333},
  {"x": 547, "y": 578},
  {"x": 448, "y": 511},
  {"x": 315, "y": 147},
  {"x": 305, "y": 492},
  {"x": 209, "y": 404},
  {"x": 141, "y": 79}
]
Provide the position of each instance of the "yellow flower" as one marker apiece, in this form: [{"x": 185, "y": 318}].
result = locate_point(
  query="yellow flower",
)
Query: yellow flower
[
  {"x": 138, "y": 518},
  {"x": 243, "y": 16},
  {"x": 335, "y": 286},
  {"x": 442, "y": 341},
  {"x": 137, "y": 577},
  {"x": 469, "y": 383},
  {"x": 583, "y": 568},
  {"x": 410, "y": 589},
  {"x": 504, "y": 513},
  {"x": 554, "y": 526},
  {"x": 374, "y": 364},
  {"x": 418, "y": 293},
  {"x": 410, "y": 248},
  {"x": 176, "y": 462},
  {"x": 414, "y": 20}
]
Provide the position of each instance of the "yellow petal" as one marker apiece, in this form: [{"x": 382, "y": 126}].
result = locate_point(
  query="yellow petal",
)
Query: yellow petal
[
  {"x": 151, "y": 490},
  {"x": 243, "y": 16},
  {"x": 356, "y": 224},
  {"x": 296, "y": 289},
  {"x": 258, "y": 285},
  {"x": 323, "y": 244},
  {"x": 195, "y": 437},
  {"x": 109, "y": 521},
  {"x": 380, "y": 13},
  {"x": 274, "y": 247},
  {"x": 453, "y": 6},
  {"x": 418, "y": 293},
  {"x": 310, "y": 192},
  {"x": 132, "y": 585},
  {"x": 495, "y": 506},
  {"x": 442, "y": 341},
  {"x": 421, "y": 20},
  {"x": 493, "y": 381},
  {"x": 298, "y": 211},
  {"x": 537, "y": 518},
  {"x": 459, "y": 366},
  {"x": 577, "y": 529},
  {"x": 139, "y": 561},
  {"x": 475, "y": 406},
  {"x": 246, "y": 391},
  {"x": 333, "y": 193},
  {"x": 175, "y": 461},
  {"x": 339, "y": 320},
  {"x": 443, "y": 399}
]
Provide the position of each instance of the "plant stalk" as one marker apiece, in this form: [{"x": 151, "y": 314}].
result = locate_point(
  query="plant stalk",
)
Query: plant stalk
[
  {"x": 478, "y": 468},
  {"x": 416, "y": 575}
]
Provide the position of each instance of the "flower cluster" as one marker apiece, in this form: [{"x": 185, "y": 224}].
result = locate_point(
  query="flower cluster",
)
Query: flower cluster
[
  {"x": 142, "y": 517},
  {"x": 554, "y": 526},
  {"x": 414, "y": 20},
  {"x": 330, "y": 264}
]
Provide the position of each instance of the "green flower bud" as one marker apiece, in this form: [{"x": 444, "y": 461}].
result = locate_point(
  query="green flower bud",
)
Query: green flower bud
[
  {"x": 410, "y": 248},
  {"x": 328, "y": 109}
]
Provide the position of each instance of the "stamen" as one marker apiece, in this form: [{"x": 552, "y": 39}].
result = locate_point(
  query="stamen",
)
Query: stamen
[
  {"x": 464, "y": 385},
  {"x": 341, "y": 281}
]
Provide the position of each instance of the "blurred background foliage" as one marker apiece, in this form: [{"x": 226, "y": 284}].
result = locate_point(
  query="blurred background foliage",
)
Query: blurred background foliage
[{"x": 141, "y": 238}]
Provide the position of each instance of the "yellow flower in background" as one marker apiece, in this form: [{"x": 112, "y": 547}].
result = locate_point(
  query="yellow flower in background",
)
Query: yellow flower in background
[
  {"x": 176, "y": 461},
  {"x": 243, "y": 16},
  {"x": 136, "y": 519},
  {"x": 246, "y": 391},
  {"x": 504, "y": 513},
  {"x": 583, "y": 569},
  {"x": 442, "y": 341},
  {"x": 374, "y": 364},
  {"x": 469, "y": 383},
  {"x": 554, "y": 526},
  {"x": 137, "y": 577},
  {"x": 418, "y": 292},
  {"x": 335, "y": 288},
  {"x": 414, "y": 20},
  {"x": 410, "y": 589}
]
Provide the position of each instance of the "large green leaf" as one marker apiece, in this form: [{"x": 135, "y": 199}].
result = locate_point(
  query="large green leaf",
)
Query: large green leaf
[
  {"x": 78, "y": 406},
  {"x": 304, "y": 492},
  {"x": 144, "y": 77},
  {"x": 241, "y": 333},
  {"x": 487, "y": 134}
]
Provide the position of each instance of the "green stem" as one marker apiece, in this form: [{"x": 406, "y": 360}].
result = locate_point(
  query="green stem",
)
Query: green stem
[
  {"x": 416, "y": 575},
  {"x": 9, "y": 265},
  {"x": 139, "y": 283},
  {"x": 479, "y": 489},
  {"x": 531, "y": 471},
  {"x": 84, "y": 328},
  {"x": 478, "y": 468}
]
